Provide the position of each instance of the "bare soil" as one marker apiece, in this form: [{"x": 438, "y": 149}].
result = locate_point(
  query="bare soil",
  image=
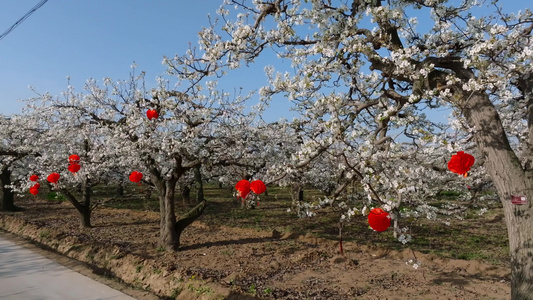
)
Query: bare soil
[{"x": 219, "y": 260}]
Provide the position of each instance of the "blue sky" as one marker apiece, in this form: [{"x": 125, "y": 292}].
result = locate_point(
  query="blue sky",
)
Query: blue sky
[
  {"x": 102, "y": 38},
  {"x": 96, "y": 39}
]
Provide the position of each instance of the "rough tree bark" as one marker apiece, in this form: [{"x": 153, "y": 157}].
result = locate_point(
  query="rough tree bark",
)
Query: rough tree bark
[
  {"x": 119, "y": 191},
  {"x": 198, "y": 179},
  {"x": 169, "y": 237},
  {"x": 84, "y": 207},
  {"x": 510, "y": 179},
  {"x": 297, "y": 195},
  {"x": 186, "y": 195},
  {"x": 189, "y": 217},
  {"x": 8, "y": 196},
  {"x": 170, "y": 228}
]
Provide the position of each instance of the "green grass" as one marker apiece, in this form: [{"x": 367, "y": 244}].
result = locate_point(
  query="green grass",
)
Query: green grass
[{"x": 55, "y": 196}]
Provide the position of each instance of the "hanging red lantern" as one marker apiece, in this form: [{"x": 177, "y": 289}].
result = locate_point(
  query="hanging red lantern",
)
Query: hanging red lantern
[
  {"x": 136, "y": 176},
  {"x": 460, "y": 163},
  {"x": 73, "y": 168},
  {"x": 378, "y": 219},
  {"x": 34, "y": 191},
  {"x": 243, "y": 187},
  {"x": 152, "y": 114},
  {"x": 53, "y": 178},
  {"x": 258, "y": 187},
  {"x": 74, "y": 159},
  {"x": 34, "y": 178}
]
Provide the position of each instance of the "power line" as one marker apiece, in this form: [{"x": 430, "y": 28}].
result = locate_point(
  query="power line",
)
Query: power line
[{"x": 31, "y": 11}]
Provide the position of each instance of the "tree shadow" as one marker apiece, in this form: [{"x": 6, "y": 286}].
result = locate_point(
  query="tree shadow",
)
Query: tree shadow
[
  {"x": 126, "y": 223},
  {"x": 227, "y": 242},
  {"x": 465, "y": 279},
  {"x": 238, "y": 296},
  {"x": 454, "y": 279}
]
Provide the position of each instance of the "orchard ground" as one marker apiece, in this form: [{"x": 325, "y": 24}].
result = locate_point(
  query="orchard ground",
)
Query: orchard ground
[{"x": 267, "y": 252}]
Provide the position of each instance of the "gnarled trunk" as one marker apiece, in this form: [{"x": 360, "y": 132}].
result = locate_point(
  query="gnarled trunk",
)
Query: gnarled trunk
[
  {"x": 84, "y": 208},
  {"x": 170, "y": 228},
  {"x": 186, "y": 195},
  {"x": 510, "y": 179},
  {"x": 168, "y": 237},
  {"x": 189, "y": 217},
  {"x": 297, "y": 195},
  {"x": 8, "y": 197},
  {"x": 198, "y": 179}
]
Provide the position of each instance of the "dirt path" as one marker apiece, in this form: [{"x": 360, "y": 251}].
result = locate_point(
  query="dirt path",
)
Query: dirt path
[{"x": 234, "y": 263}]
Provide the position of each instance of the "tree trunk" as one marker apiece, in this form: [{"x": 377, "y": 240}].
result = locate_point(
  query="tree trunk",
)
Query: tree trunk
[
  {"x": 297, "y": 195},
  {"x": 190, "y": 217},
  {"x": 120, "y": 189},
  {"x": 169, "y": 239},
  {"x": 200, "y": 190},
  {"x": 510, "y": 179},
  {"x": 186, "y": 195},
  {"x": 83, "y": 209},
  {"x": 395, "y": 225},
  {"x": 8, "y": 197},
  {"x": 85, "y": 217},
  {"x": 147, "y": 198},
  {"x": 86, "y": 208}
]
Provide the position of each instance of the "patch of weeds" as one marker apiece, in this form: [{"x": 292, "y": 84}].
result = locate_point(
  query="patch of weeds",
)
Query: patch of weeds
[
  {"x": 268, "y": 291},
  {"x": 175, "y": 293},
  {"x": 200, "y": 290},
  {"x": 227, "y": 252},
  {"x": 477, "y": 239},
  {"x": 105, "y": 265},
  {"x": 469, "y": 255},
  {"x": 90, "y": 256},
  {"x": 55, "y": 196},
  {"x": 74, "y": 248},
  {"x": 252, "y": 290},
  {"x": 137, "y": 284},
  {"x": 44, "y": 234},
  {"x": 138, "y": 269},
  {"x": 160, "y": 249},
  {"x": 157, "y": 270}
]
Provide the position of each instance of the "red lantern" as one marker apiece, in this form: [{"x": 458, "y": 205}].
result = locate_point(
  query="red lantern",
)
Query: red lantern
[
  {"x": 73, "y": 167},
  {"x": 136, "y": 176},
  {"x": 34, "y": 191},
  {"x": 53, "y": 178},
  {"x": 34, "y": 177},
  {"x": 258, "y": 187},
  {"x": 243, "y": 187},
  {"x": 74, "y": 159},
  {"x": 152, "y": 114},
  {"x": 460, "y": 163},
  {"x": 378, "y": 219}
]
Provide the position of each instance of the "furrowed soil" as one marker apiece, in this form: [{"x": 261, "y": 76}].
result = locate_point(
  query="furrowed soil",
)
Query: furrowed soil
[{"x": 267, "y": 252}]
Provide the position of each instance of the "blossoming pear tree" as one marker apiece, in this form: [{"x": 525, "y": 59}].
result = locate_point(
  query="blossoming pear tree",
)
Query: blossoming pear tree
[
  {"x": 13, "y": 156},
  {"x": 66, "y": 134},
  {"x": 372, "y": 70},
  {"x": 192, "y": 127}
]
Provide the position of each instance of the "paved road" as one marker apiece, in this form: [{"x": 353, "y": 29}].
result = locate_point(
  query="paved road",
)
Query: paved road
[{"x": 27, "y": 275}]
